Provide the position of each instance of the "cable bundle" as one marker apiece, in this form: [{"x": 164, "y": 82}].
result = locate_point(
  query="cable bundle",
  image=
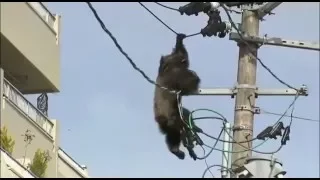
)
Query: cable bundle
[{"x": 270, "y": 132}]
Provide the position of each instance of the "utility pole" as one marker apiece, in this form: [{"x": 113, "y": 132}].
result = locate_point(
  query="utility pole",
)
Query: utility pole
[
  {"x": 246, "y": 91},
  {"x": 245, "y": 98}
]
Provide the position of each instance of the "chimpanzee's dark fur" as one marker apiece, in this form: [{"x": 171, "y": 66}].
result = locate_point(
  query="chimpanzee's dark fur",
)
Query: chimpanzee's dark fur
[{"x": 174, "y": 74}]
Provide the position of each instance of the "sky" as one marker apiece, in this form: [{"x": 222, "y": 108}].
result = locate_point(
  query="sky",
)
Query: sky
[{"x": 105, "y": 107}]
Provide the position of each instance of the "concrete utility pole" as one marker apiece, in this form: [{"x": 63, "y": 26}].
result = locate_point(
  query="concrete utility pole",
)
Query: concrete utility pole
[
  {"x": 246, "y": 91},
  {"x": 245, "y": 98}
]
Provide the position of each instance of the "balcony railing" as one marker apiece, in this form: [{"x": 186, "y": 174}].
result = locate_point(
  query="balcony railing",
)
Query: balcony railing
[
  {"x": 45, "y": 14},
  {"x": 71, "y": 162},
  {"x": 11, "y": 164},
  {"x": 15, "y": 97}
]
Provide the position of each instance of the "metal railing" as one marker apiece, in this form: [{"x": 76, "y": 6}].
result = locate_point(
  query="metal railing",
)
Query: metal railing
[
  {"x": 14, "y": 165},
  {"x": 74, "y": 164},
  {"x": 17, "y": 98},
  {"x": 44, "y": 13}
]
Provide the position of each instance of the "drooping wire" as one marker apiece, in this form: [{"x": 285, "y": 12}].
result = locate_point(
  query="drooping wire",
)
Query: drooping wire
[
  {"x": 131, "y": 61},
  {"x": 286, "y": 111},
  {"x": 175, "y": 32},
  {"x": 294, "y": 117},
  {"x": 251, "y": 51},
  {"x": 277, "y": 150},
  {"x": 220, "y": 118},
  {"x": 233, "y": 140},
  {"x": 122, "y": 51},
  {"x": 206, "y": 162},
  {"x": 157, "y": 18},
  {"x": 211, "y": 148},
  {"x": 174, "y": 9}
]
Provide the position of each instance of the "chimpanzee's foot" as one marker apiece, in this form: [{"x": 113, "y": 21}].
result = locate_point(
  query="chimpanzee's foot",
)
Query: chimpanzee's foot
[{"x": 179, "y": 154}]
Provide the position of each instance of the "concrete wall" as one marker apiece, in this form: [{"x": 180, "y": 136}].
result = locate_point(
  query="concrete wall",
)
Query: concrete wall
[
  {"x": 68, "y": 167},
  {"x": 17, "y": 124},
  {"x": 11, "y": 168},
  {"x": 36, "y": 39}
]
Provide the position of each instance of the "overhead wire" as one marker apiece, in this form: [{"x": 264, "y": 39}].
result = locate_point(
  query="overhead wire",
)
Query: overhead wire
[
  {"x": 157, "y": 18},
  {"x": 127, "y": 56},
  {"x": 219, "y": 118},
  {"x": 277, "y": 150},
  {"x": 251, "y": 51},
  {"x": 166, "y": 25},
  {"x": 206, "y": 162},
  {"x": 294, "y": 117},
  {"x": 168, "y": 7},
  {"x": 233, "y": 140},
  {"x": 122, "y": 51}
]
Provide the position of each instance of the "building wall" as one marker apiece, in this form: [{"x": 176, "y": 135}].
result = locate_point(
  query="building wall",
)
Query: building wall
[
  {"x": 37, "y": 40},
  {"x": 17, "y": 124},
  {"x": 67, "y": 167},
  {"x": 10, "y": 168}
]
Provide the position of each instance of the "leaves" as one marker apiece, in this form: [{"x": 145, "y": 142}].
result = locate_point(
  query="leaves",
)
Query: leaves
[
  {"x": 39, "y": 163},
  {"x": 6, "y": 142}
]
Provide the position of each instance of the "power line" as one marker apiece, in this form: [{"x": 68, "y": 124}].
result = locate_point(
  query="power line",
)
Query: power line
[
  {"x": 157, "y": 18},
  {"x": 194, "y": 34},
  {"x": 122, "y": 51},
  {"x": 294, "y": 117},
  {"x": 171, "y": 8}
]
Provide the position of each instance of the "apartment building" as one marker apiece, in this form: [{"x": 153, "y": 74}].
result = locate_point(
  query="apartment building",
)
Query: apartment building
[{"x": 30, "y": 64}]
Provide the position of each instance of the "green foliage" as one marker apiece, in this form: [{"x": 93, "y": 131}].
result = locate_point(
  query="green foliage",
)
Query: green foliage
[
  {"x": 39, "y": 163},
  {"x": 6, "y": 142}
]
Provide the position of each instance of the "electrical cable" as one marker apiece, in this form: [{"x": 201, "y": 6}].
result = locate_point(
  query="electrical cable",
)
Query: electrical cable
[
  {"x": 295, "y": 117},
  {"x": 291, "y": 105},
  {"x": 251, "y": 51},
  {"x": 253, "y": 149},
  {"x": 206, "y": 162},
  {"x": 217, "y": 139},
  {"x": 127, "y": 56},
  {"x": 246, "y": 149},
  {"x": 122, "y": 51},
  {"x": 212, "y": 148},
  {"x": 171, "y": 8},
  {"x": 234, "y": 142},
  {"x": 194, "y": 34},
  {"x": 291, "y": 114},
  {"x": 220, "y": 118},
  {"x": 157, "y": 18}
]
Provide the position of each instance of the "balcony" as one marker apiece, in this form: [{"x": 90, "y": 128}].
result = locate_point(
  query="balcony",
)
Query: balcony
[
  {"x": 16, "y": 100},
  {"x": 19, "y": 115},
  {"x": 11, "y": 168},
  {"x": 69, "y": 168},
  {"x": 30, "y": 47}
]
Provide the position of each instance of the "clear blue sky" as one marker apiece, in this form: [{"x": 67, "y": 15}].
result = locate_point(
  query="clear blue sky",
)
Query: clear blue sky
[{"x": 108, "y": 106}]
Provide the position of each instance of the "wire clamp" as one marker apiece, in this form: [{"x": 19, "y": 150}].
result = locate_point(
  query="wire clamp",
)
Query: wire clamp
[
  {"x": 245, "y": 108},
  {"x": 241, "y": 127},
  {"x": 242, "y": 86}
]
